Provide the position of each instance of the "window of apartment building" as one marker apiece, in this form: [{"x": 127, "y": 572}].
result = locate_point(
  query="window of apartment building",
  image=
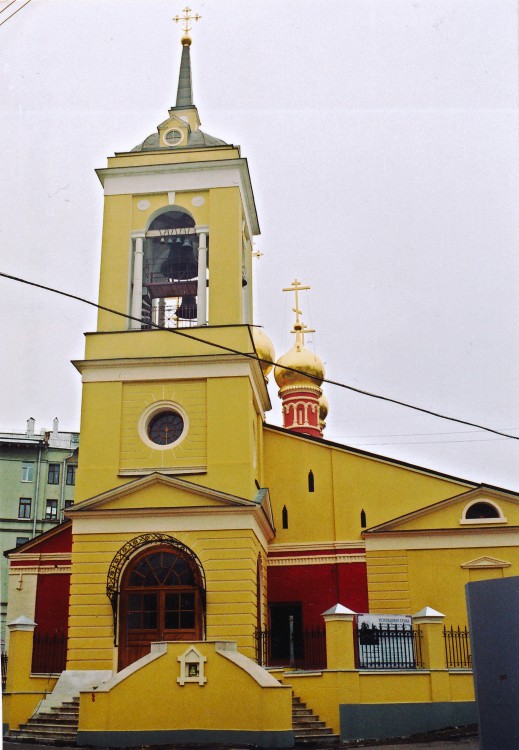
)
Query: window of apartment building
[
  {"x": 68, "y": 503},
  {"x": 53, "y": 477},
  {"x": 21, "y": 540},
  {"x": 71, "y": 474},
  {"x": 27, "y": 471},
  {"x": 24, "y": 507},
  {"x": 51, "y": 510}
]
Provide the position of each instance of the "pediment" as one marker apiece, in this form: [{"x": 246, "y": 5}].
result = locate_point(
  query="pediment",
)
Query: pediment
[
  {"x": 159, "y": 492},
  {"x": 485, "y": 562},
  {"x": 448, "y": 514}
]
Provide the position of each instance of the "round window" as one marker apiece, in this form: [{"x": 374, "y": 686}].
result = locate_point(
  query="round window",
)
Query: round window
[
  {"x": 165, "y": 427},
  {"x": 173, "y": 137}
]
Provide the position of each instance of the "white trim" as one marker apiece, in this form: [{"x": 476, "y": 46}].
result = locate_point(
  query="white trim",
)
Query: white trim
[
  {"x": 174, "y": 520},
  {"x": 196, "y": 176},
  {"x": 482, "y": 563},
  {"x": 39, "y": 570},
  {"x": 40, "y": 556},
  {"x": 169, "y": 472},
  {"x": 280, "y": 562},
  {"x": 177, "y": 368},
  {"x": 438, "y": 539},
  {"x": 317, "y": 546}
]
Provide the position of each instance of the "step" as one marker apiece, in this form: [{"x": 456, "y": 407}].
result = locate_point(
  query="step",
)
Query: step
[
  {"x": 310, "y": 726},
  {"x": 322, "y": 729},
  {"x": 45, "y": 728},
  {"x": 62, "y": 739},
  {"x": 318, "y": 739}
]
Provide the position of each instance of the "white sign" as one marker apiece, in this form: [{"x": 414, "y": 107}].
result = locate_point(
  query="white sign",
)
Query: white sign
[{"x": 385, "y": 642}]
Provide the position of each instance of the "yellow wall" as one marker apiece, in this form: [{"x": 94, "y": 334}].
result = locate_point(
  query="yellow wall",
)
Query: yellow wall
[
  {"x": 220, "y": 437},
  {"x": 325, "y": 691},
  {"x": 222, "y": 211},
  {"x": 405, "y": 580},
  {"x": 23, "y": 692},
  {"x": 345, "y": 484},
  {"x": 229, "y": 559},
  {"x": 218, "y": 704}
]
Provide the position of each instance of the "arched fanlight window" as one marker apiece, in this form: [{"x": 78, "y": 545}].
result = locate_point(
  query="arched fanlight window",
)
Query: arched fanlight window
[{"x": 482, "y": 511}]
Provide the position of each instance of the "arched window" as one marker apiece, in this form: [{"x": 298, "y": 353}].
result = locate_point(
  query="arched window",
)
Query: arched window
[
  {"x": 284, "y": 517},
  {"x": 311, "y": 483},
  {"x": 170, "y": 270},
  {"x": 160, "y": 600},
  {"x": 363, "y": 519},
  {"x": 482, "y": 511}
]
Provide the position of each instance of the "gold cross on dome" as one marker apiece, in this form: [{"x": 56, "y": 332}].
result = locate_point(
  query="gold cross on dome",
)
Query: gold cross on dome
[
  {"x": 186, "y": 18},
  {"x": 305, "y": 330},
  {"x": 296, "y": 288}
]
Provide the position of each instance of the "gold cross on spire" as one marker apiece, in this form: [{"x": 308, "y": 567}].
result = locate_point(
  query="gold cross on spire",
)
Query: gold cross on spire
[
  {"x": 186, "y": 18},
  {"x": 296, "y": 288}
]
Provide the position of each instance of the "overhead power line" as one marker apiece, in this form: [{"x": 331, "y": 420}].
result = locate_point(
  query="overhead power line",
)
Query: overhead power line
[
  {"x": 8, "y": 6},
  {"x": 14, "y": 12},
  {"x": 184, "y": 334}
]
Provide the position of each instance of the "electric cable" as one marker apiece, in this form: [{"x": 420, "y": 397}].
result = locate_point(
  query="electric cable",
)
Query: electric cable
[
  {"x": 15, "y": 12},
  {"x": 183, "y": 333},
  {"x": 8, "y": 6}
]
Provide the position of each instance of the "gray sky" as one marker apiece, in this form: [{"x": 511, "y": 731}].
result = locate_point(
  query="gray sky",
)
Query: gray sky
[{"x": 382, "y": 141}]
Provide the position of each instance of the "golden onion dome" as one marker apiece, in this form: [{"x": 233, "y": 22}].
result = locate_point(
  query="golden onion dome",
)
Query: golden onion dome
[
  {"x": 324, "y": 406},
  {"x": 310, "y": 368},
  {"x": 264, "y": 349}
]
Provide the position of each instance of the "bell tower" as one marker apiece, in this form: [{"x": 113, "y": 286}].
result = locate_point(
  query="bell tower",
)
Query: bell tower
[{"x": 167, "y": 388}]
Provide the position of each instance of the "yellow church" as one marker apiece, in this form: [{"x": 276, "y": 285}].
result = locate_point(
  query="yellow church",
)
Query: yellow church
[{"x": 226, "y": 580}]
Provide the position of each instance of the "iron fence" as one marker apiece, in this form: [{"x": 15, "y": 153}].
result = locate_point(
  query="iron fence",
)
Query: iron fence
[
  {"x": 305, "y": 649},
  {"x": 49, "y": 652},
  {"x": 4, "y": 659},
  {"x": 388, "y": 647},
  {"x": 457, "y": 648}
]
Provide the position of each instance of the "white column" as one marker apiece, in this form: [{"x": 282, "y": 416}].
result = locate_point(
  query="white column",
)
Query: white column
[
  {"x": 202, "y": 280},
  {"x": 136, "y": 308}
]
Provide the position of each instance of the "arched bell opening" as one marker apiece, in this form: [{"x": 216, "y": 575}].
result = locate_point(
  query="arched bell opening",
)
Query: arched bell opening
[
  {"x": 157, "y": 588},
  {"x": 174, "y": 278}
]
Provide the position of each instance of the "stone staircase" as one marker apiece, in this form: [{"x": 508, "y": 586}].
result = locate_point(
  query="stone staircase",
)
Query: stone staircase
[
  {"x": 308, "y": 728},
  {"x": 56, "y": 726}
]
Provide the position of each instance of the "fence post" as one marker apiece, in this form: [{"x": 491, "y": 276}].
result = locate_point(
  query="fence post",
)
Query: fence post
[
  {"x": 433, "y": 651},
  {"x": 18, "y": 684},
  {"x": 340, "y": 647},
  {"x": 20, "y": 654}
]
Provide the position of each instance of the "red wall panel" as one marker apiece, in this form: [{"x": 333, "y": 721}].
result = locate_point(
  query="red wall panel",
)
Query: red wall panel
[
  {"x": 52, "y": 595},
  {"x": 319, "y": 587}
]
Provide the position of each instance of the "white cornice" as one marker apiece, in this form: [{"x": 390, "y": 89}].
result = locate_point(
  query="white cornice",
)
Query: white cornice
[
  {"x": 128, "y": 369},
  {"x": 187, "y": 176},
  {"x": 326, "y": 546},
  {"x": 173, "y": 471},
  {"x": 442, "y": 538},
  {"x": 281, "y": 562},
  {"x": 174, "y": 520},
  {"x": 40, "y": 557},
  {"x": 40, "y": 570}
]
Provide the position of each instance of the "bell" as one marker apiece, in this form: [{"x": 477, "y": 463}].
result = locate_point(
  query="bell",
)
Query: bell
[
  {"x": 187, "y": 309},
  {"x": 181, "y": 262}
]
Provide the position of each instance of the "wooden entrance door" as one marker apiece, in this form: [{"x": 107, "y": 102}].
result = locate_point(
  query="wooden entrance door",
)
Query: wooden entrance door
[{"x": 159, "y": 601}]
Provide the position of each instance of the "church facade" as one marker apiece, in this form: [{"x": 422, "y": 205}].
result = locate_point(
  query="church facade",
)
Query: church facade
[{"x": 196, "y": 523}]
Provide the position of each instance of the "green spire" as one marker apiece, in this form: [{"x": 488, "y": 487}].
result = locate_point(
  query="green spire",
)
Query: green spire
[{"x": 185, "y": 88}]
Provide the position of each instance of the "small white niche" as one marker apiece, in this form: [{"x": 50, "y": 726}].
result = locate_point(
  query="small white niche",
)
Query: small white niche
[{"x": 192, "y": 667}]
